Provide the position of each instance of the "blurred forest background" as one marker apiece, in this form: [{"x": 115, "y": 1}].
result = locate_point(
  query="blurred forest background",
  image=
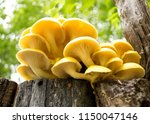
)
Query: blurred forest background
[{"x": 17, "y": 15}]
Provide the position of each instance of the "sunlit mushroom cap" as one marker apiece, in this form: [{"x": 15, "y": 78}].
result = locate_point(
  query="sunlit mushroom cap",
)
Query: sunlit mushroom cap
[
  {"x": 129, "y": 71},
  {"x": 33, "y": 57},
  {"x": 47, "y": 26},
  {"x": 103, "y": 55},
  {"x": 131, "y": 56},
  {"x": 37, "y": 61},
  {"x": 52, "y": 31},
  {"x": 26, "y": 72},
  {"x": 26, "y": 31},
  {"x": 60, "y": 67},
  {"x": 96, "y": 72},
  {"x": 34, "y": 41},
  {"x": 75, "y": 27},
  {"x": 122, "y": 46},
  {"x": 114, "y": 64},
  {"x": 108, "y": 45}
]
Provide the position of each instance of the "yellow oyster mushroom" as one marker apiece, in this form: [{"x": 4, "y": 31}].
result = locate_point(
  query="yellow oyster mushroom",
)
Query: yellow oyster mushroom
[
  {"x": 122, "y": 47},
  {"x": 131, "y": 56},
  {"x": 82, "y": 48},
  {"x": 26, "y": 72},
  {"x": 52, "y": 31},
  {"x": 129, "y": 71},
  {"x": 37, "y": 61},
  {"x": 67, "y": 67}
]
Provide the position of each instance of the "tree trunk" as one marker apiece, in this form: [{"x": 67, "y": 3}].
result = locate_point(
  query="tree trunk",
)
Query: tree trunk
[
  {"x": 55, "y": 93},
  {"x": 7, "y": 92},
  {"x": 135, "y": 18}
]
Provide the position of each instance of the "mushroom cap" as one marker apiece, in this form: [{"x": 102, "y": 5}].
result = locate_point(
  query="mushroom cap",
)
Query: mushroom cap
[
  {"x": 37, "y": 61},
  {"x": 52, "y": 31},
  {"x": 131, "y": 56},
  {"x": 103, "y": 55},
  {"x": 26, "y": 72},
  {"x": 34, "y": 58},
  {"x": 75, "y": 27},
  {"x": 34, "y": 41},
  {"x": 81, "y": 47},
  {"x": 114, "y": 64},
  {"x": 96, "y": 72},
  {"x": 122, "y": 46},
  {"x": 129, "y": 71},
  {"x": 60, "y": 67},
  {"x": 50, "y": 25},
  {"x": 108, "y": 45},
  {"x": 26, "y": 31}
]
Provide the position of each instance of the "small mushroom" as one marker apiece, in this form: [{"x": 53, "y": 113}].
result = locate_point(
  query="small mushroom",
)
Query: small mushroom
[
  {"x": 131, "y": 56},
  {"x": 114, "y": 64},
  {"x": 75, "y": 27},
  {"x": 37, "y": 61},
  {"x": 26, "y": 31},
  {"x": 122, "y": 46},
  {"x": 35, "y": 41},
  {"x": 82, "y": 48},
  {"x": 129, "y": 71},
  {"x": 108, "y": 45},
  {"x": 26, "y": 72},
  {"x": 52, "y": 31},
  {"x": 96, "y": 72},
  {"x": 103, "y": 55},
  {"x": 66, "y": 67}
]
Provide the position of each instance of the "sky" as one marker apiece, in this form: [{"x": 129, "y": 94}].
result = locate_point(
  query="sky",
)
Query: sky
[{"x": 9, "y": 7}]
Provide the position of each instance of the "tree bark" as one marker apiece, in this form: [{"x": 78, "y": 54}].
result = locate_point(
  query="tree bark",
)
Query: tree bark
[
  {"x": 7, "y": 92},
  {"x": 55, "y": 93},
  {"x": 135, "y": 20},
  {"x": 132, "y": 93}
]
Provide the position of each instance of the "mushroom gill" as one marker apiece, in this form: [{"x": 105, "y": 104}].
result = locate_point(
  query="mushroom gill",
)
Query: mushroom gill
[
  {"x": 67, "y": 67},
  {"x": 32, "y": 58},
  {"x": 82, "y": 48}
]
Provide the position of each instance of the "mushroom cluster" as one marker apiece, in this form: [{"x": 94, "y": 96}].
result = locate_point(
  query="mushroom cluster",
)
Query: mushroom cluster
[{"x": 62, "y": 48}]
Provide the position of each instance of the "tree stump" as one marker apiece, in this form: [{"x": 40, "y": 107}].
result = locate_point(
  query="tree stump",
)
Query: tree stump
[
  {"x": 7, "y": 92},
  {"x": 55, "y": 93}
]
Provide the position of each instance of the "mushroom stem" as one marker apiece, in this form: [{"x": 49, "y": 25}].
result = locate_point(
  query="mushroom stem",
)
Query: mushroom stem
[
  {"x": 87, "y": 60},
  {"x": 42, "y": 73},
  {"x": 75, "y": 75}
]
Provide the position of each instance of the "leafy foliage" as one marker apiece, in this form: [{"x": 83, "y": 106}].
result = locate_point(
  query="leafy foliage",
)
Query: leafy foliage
[{"x": 101, "y": 13}]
